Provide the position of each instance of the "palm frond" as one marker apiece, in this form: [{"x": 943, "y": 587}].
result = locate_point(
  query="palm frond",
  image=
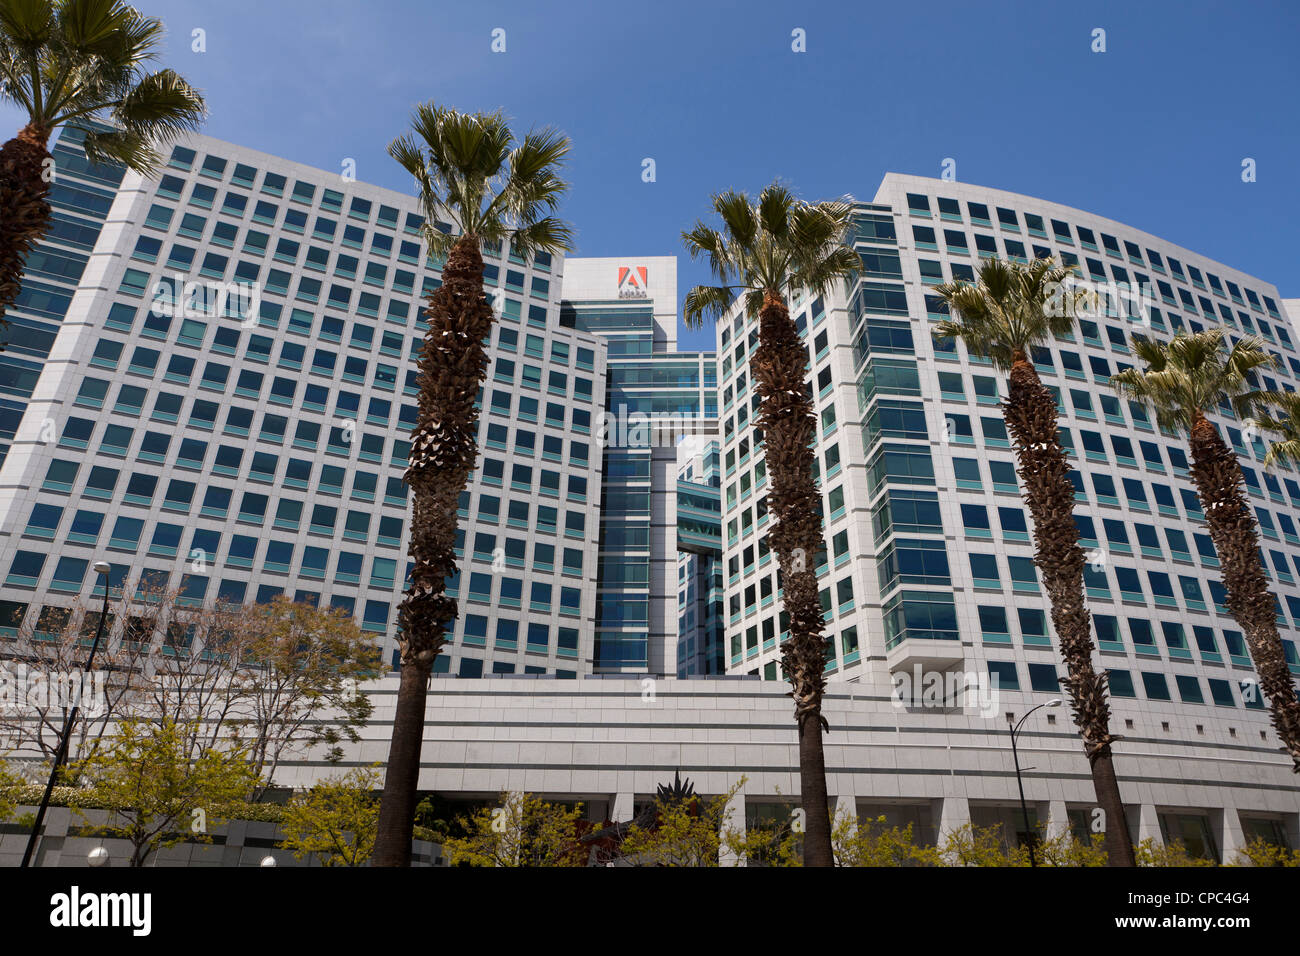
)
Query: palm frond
[
  {"x": 1191, "y": 373},
  {"x": 469, "y": 168},
  {"x": 775, "y": 245},
  {"x": 1286, "y": 452},
  {"x": 706, "y": 303},
  {"x": 82, "y": 60}
]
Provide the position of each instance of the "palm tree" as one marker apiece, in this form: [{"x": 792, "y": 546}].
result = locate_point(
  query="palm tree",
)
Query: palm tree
[
  {"x": 470, "y": 169},
  {"x": 1184, "y": 378},
  {"x": 1011, "y": 309},
  {"x": 765, "y": 252},
  {"x": 77, "y": 61}
]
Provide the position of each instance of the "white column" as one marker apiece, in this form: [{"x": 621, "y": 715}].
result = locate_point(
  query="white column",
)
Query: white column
[
  {"x": 1149, "y": 824},
  {"x": 621, "y": 811},
  {"x": 954, "y": 814},
  {"x": 1234, "y": 835},
  {"x": 1058, "y": 821},
  {"x": 846, "y": 808},
  {"x": 733, "y": 818}
]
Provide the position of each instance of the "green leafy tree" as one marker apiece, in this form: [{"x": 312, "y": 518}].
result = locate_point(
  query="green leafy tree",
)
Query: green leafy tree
[
  {"x": 1065, "y": 849},
  {"x": 491, "y": 189},
  {"x": 1259, "y": 852},
  {"x": 523, "y": 830},
  {"x": 1152, "y": 853},
  {"x": 153, "y": 788},
  {"x": 76, "y": 62},
  {"x": 764, "y": 254},
  {"x": 336, "y": 819},
  {"x": 872, "y": 843},
  {"x": 774, "y": 842},
  {"x": 680, "y": 832},
  {"x": 1184, "y": 379},
  {"x": 1011, "y": 309},
  {"x": 971, "y": 845}
]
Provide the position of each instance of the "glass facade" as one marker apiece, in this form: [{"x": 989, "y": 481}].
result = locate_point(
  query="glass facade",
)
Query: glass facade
[
  {"x": 653, "y": 396},
  {"x": 701, "y": 632}
]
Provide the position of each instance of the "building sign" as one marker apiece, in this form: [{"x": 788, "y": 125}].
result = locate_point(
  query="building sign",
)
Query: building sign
[{"x": 632, "y": 283}]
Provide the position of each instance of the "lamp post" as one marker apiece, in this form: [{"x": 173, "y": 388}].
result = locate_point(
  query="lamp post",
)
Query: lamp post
[
  {"x": 1024, "y": 809},
  {"x": 102, "y": 568}
]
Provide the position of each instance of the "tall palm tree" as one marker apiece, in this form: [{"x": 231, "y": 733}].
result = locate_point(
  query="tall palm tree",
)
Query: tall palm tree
[
  {"x": 1010, "y": 309},
  {"x": 74, "y": 61},
  {"x": 1184, "y": 378},
  {"x": 766, "y": 251},
  {"x": 471, "y": 170}
]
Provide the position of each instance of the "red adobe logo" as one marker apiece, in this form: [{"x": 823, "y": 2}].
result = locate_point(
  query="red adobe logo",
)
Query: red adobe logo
[{"x": 632, "y": 283}]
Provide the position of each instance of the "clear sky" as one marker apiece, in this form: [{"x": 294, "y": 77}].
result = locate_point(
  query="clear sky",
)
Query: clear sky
[{"x": 1151, "y": 132}]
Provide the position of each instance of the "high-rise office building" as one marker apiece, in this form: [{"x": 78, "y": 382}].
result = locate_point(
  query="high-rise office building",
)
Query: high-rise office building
[
  {"x": 655, "y": 396},
  {"x": 210, "y": 384},
  {"x": 929, "y": 561}
]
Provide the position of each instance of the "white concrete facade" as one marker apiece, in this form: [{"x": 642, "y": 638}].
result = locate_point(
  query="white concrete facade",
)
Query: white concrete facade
[
  {"x": 342, "y": 269},
  {"x": 610, "y": 741}
]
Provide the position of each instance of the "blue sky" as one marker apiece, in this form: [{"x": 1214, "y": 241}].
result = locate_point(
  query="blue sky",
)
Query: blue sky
[{"x": 1151, "y": 132}]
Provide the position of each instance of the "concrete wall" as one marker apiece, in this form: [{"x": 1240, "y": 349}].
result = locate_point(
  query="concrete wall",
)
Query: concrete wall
[{"x": 614, "y": 740}]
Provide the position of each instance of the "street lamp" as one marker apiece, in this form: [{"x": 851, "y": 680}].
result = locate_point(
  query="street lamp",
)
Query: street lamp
[
  {"x": 1024, "y": 810},
  {"x": 102, "y": 568}
]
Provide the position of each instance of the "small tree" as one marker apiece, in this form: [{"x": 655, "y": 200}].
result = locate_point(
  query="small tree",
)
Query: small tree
[
  {"x": 305, "y": 661},
  {"x": 971, "y": 845},
  {"x": 772, "y": 844},
  {"x": 1259, "y": 852},
  {"x": 281, "y": 675},
  {"x": 683, "y": 832},
  {"x": 1151, "y": 853},
  {"x": 871, "y": 843},
  {"x": 155, "y": 794},
  {"x": 523, "y": 830},
  {"x": 336, "y": 819},
  {"x": 1065, "y": 849}
]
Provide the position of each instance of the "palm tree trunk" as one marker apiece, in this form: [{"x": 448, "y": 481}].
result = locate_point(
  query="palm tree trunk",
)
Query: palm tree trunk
[
  {"x": 401, "y": 782},
  {"x": 26, "y": 208},
  {"x": 779, "y": 367},
  {"x": 453, "y": 364},
  {"x": 1031, "y": 417},
  {"x": 1219, "y": 483}
]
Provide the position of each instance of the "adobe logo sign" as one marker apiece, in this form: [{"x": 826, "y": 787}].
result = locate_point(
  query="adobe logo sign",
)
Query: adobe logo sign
[{"x": 632, "y": 283}]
